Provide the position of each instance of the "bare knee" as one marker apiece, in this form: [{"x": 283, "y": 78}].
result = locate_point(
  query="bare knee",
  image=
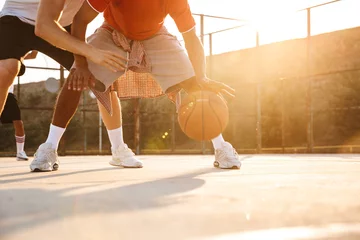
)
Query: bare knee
[{"x": 9, "y": 69}]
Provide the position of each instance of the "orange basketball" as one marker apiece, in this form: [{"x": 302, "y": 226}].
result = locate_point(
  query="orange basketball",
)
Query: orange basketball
[{"x": 203, "y": 115}]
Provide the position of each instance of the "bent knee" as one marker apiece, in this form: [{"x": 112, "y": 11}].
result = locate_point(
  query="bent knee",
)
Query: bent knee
[{"x": 9, "y": 69}]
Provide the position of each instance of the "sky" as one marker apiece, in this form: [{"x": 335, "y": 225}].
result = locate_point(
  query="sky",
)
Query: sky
[{"x": 276, "y": 20}]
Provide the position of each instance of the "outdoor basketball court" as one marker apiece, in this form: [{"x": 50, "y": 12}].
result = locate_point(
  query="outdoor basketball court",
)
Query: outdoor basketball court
[{"x": 183, "y": 197}]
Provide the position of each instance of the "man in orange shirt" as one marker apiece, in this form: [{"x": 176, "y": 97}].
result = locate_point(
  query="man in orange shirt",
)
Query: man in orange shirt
[{"x": 134, "y": 30}]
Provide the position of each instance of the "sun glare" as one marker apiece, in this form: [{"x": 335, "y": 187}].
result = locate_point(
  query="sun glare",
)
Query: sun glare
[{"x": 275, "y": 20}]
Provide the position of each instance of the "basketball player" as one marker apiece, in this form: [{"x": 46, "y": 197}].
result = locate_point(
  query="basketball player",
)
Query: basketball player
[
  {"x": 17, "y": 20},
  {"x": 134, "y": 29}
]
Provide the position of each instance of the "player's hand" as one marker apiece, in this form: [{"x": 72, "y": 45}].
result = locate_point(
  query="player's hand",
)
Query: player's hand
[
  {"x": 210, "y": 85},
  {"x": 80, "y": 78},
  {"x": 113, "y": 61}
]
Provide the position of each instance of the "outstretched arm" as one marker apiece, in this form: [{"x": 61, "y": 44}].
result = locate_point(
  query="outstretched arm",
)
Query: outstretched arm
[
  {"x": 48, "y": 27},
  {"x": 196, "y": 53},
  {"x": 180, "y": 11},
  {"x": 197, "y": 57}
]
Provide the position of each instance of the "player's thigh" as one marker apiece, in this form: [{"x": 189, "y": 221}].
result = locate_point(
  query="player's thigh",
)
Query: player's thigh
[
  {"x": 9, "y": 69},
  {"x": 64, "y": 58},
  {"x": 16, "y": 40},
  {"x": 170, "y": 64}
]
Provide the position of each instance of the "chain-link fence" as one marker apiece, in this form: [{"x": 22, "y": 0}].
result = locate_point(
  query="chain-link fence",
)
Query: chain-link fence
[{"x": 290, "y": 97}]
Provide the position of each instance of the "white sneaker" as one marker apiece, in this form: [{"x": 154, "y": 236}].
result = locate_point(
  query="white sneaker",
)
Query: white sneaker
[
  {"x": 21, "y": 156},
  {"x": 124, "y": 157},
  {"x": 226, "y": 157},
  {"x": 45, "y": 159}
]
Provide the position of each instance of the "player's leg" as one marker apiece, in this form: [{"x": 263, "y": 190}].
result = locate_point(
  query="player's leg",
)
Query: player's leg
[
  {"x": 15, "y": 42},
  {"x": 13, "y": 46},
  {"x": 11, "y": 114},
  {"x": 9, "y": 69},
  {"x": 121, "y": 154},
  {"x": 172, "y": 68},
  {"x": 46, "y": 158},
  {"x": 20, "y": 140},
  {"x": 18, "y": 126}
]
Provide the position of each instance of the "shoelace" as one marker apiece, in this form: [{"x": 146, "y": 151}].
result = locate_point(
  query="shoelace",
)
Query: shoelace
[
  {"x": 227, "y": 152},
  {"x": 125, "y": 150},
  {"x": 42, "y": 154}
]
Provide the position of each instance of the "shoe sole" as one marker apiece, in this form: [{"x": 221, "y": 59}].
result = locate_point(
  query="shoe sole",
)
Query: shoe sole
[
  {"x": 54, "y": 168},
  {"x": 21, "y": 159},
  {"x": 119, "y": 165},
  {"x": 217, "y": 165}
]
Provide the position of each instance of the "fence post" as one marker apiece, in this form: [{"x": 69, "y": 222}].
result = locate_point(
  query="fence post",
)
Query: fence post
[
  {"x": 210, "y": 55},
  {"x": 258, "y": 103},
  {"x": 282, "y": 117},
  {"x": 310, "y": 134},
  {"x": 137, "y": 125},
  {"x": 63, "y": 139},
  {"x": 202, "y": 28},
  {"x": 173, "y": 132},
  {"x": 100, "y": 133},
  {"x": 203, "y": 145},
  {"x": 258, "y": 120},
  {"x": 84, "y": 121}
]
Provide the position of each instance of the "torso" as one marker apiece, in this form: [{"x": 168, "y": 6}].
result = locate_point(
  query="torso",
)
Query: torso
[{"x": 137, "y": 19}]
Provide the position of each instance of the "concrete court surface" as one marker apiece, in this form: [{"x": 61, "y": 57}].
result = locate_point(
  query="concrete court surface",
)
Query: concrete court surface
[{"x": 183, "y": 197}]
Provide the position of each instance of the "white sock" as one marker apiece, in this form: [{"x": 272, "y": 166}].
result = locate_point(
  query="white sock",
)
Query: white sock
[
  {"x": 55, "y": 134},
  {"x": 218, "y": 141},
  {"x": 116, "y": 137},
  {"x": 20, "y": 141}
]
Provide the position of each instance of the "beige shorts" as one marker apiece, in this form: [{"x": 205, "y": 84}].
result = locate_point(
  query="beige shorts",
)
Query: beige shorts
[{"x": 170, "y": 64}]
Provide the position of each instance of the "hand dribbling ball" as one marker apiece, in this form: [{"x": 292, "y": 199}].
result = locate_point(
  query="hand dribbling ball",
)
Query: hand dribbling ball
[{"x": 203, "y": 115}]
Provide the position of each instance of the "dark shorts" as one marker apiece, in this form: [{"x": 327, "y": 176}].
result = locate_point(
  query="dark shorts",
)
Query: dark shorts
[
  {"x": 11, "y": 110},
  {"x": 18, "y": 38}
]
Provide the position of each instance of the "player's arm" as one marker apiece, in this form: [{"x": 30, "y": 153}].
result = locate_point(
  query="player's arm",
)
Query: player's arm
[
  {"x": 195, "y": 52},
  {"x": 80, "y": 76},
  {"x": 180, "y": 12},
  {"x": 48, "y": 27},
  {"x": 78, "y": 28},
  {"x": 197, "y": 57}
]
